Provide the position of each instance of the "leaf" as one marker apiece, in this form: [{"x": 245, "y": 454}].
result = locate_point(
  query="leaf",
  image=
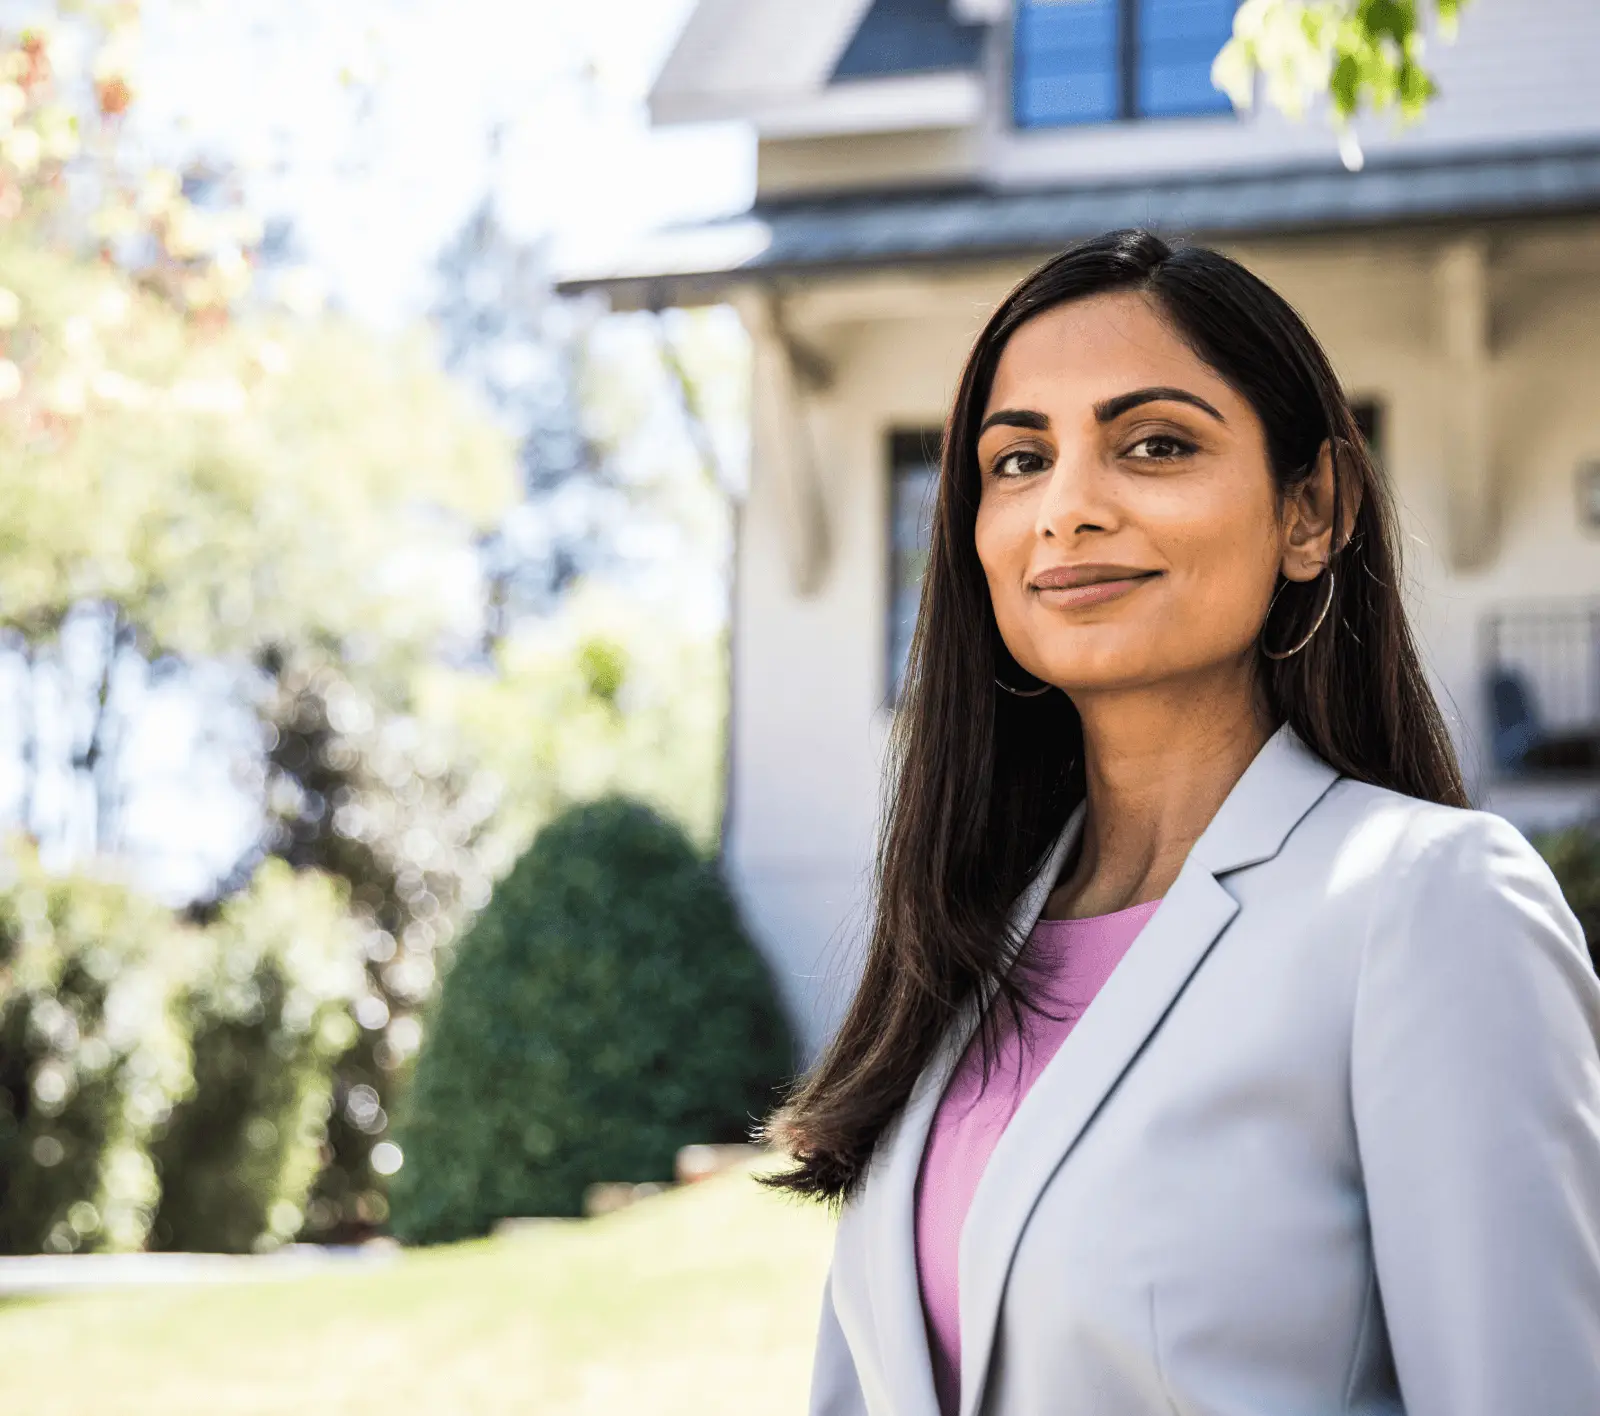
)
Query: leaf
[{"x": 1354, "y": 55}]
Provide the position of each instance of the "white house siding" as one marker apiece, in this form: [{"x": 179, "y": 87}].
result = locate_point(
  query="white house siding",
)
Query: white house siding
[
  {"x": 1520, "y": 72},
  {"x": 809, "y": 672},
  {"x": 873, "y": 161},
  {"x": 809, "y": 720}
]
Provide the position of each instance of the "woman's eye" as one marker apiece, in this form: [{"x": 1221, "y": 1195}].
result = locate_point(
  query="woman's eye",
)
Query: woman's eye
[
  {"x": 1159, "y": 448},
  {"x": 1019, "y": 464}
]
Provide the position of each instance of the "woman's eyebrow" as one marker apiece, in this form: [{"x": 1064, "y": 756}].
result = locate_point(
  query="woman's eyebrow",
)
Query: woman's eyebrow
[
  {"x": 1015, "y": 418},
  {"x": 1112, "y": 408}
]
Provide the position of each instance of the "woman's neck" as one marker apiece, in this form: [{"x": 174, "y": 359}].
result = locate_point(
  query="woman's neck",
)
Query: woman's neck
[{"x": 1158, "y": 764}]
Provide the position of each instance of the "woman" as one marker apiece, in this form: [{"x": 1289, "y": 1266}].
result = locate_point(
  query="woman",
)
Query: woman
[{"x": 1328, "y": 1138}]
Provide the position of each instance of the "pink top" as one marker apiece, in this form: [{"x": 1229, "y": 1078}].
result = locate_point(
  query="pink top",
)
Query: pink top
[{"x": 1075, "y": 958}]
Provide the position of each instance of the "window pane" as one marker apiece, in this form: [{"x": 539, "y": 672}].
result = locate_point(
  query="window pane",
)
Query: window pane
[
  {"x": 1369, "y": 419},
  {"x": 909, "y": 37},
  {"x": 1178, "y": 40},
  {"x": 1065, "y": 62},
  {"x": 913, "y": 477}
]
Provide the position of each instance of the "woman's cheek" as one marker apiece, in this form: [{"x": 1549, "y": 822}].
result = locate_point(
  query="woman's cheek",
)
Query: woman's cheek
[
  {"x": 1230, "y": 578},
  {"x": 1004, "y": 543}
]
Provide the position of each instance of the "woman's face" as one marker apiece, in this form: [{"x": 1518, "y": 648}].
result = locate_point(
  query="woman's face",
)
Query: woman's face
[{"x": 1128, "y": 524}]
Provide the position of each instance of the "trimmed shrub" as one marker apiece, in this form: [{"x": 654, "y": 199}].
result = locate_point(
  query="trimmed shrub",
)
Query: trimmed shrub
[
  {"x": 268, "y": 1011},
  {"x": 1574, "y": 856},
  {"x": 89, "y": 1059},
  {"x": 605, "y": 1009}
]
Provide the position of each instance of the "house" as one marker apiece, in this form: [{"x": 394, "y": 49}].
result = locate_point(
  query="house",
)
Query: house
[{"x": 917, "y": 156}]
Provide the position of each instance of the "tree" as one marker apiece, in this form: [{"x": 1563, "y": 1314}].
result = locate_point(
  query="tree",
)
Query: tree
[
  {"x": 154, "y": 1074},
  {"x": 608, "y": 696},
  {"x": 200, "y": 483},
  {"x": 607, "y": 1009},
  {"x": 503, "y": 333},
  {"x": 1573, "y": 855},
  {"x": 387, "y": 801},
  {"x": 90, "y": 1059},
  {"x": 266, "y": 1004},
  {"x": 1358, "y": 54},
  {"x": 195, "y": 485}
]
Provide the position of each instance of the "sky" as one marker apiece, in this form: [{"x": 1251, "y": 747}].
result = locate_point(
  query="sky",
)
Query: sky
[
  {"x": 367, "y": 123},
  {"x": 366, "y": 126}
]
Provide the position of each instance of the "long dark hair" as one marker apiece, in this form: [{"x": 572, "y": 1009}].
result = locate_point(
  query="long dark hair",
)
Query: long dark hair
[{"x": 982, "y": 782}]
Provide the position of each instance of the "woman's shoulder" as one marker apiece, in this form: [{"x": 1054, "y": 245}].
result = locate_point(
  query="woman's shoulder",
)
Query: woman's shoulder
[
  {"x": 1424, "y": 836},
  {"x": 1444, "y": 871}
]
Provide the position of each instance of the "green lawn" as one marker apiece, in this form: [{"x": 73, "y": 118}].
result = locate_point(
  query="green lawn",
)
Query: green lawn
[{"x": 700, "y": 1301}]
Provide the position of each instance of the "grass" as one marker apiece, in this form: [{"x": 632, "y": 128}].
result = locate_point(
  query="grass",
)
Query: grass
[{"x": 702, "y": 1301}]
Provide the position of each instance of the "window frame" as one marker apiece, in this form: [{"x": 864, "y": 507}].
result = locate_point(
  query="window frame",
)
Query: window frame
[
  {"x": 1128, "y": 53},
  {"x": 907, "y": 451}
]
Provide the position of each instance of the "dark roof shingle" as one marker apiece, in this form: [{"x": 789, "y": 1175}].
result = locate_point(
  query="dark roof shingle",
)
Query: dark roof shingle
[{"x": 885, "y": 229}]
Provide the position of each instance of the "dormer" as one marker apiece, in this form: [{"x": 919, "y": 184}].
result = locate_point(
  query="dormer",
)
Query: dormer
[
  {"x": 842, "y": 94},
  {"x": 883, "y": 94}
]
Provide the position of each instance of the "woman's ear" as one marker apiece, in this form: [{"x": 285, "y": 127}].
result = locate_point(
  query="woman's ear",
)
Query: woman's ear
[{"x": 1308, "y": 543}]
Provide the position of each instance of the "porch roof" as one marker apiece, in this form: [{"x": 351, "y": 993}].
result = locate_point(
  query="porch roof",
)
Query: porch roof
[{"x": 872, "y": 230}]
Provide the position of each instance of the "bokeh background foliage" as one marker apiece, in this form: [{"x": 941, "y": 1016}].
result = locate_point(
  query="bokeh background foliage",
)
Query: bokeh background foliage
[
  {"x": 1573, "y": 855},
  {"x": 606, "y": 1010},
  {"x": 267, "y": 1012},
  {"x": 153, "y": 1072},
  {"x": 90, "y": 1059},
  {"x": 385, "y": 574}
]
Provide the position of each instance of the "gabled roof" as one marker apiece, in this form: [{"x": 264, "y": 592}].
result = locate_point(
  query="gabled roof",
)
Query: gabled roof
[
  {"x": 879, "y": 230},
  {"x": 734, "y": 54},
  {"x": 808, "y": 67}
]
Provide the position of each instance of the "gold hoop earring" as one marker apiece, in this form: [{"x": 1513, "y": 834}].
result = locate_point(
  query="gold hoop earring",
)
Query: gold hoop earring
[
  {"x": 1023, "y": 692},
  {"x": 1310, "y": 634}
]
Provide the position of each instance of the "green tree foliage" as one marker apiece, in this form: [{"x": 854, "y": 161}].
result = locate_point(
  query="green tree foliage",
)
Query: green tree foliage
[
  {"x": 268, "y": 1013},
  {"x": 278, "y": 485},
  {"x": 279, "y": 502},
  {"x": 605, "y": 1010},
  {"x": 152, "y": 1070},
  {"x": 90, "y": 1059},
  {"x": 228, "y": 486},
  {"x": 1357, "y": 54},
  {"x": 1574, "y": 856},
  {"x": 381, "y": 799},
  {"x": 607, "y": 697}
]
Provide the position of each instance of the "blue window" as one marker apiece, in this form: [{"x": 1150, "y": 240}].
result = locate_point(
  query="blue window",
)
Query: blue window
[
  {"x": 909, "y": 37},
  {"x": 1177, "y": 42},
  {"x": 913, "y": 486},
  {"x": 1067, "y": 66},
  {"x": 1092, "y": 61}
]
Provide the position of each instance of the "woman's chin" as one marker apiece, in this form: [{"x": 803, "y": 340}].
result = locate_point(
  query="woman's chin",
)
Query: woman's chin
[{"x": 1107, "y": 673}]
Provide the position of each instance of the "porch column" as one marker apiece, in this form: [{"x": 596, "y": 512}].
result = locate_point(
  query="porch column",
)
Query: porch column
[
  {"x": 787, "y": 377},
  {"x": 1462, "y": 273}
]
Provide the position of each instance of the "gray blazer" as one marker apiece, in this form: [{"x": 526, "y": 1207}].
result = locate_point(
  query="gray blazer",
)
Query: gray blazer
[{"x": 1327, "y": 1141}]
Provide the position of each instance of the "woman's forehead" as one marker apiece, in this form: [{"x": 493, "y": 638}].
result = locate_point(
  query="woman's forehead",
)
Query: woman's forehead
[{"x": 1081, "y": 352}]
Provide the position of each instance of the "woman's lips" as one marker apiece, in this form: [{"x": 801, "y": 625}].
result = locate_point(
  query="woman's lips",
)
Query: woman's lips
[{"x": 1075, "y": 589}]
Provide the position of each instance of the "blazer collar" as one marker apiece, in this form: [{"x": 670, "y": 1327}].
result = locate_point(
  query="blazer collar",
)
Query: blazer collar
[
  {"x": 889, "y": 1200},
  {"x": 1279, "y": 787}
]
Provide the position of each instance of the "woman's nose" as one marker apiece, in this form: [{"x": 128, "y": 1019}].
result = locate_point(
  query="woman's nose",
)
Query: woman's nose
[{"x": 1073, "y": 498}]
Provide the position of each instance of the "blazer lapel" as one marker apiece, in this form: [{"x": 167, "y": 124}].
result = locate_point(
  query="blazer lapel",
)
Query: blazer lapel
[
  {"x": 889, "y": 1201},
  {"x": 1283, "y": 783}
]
